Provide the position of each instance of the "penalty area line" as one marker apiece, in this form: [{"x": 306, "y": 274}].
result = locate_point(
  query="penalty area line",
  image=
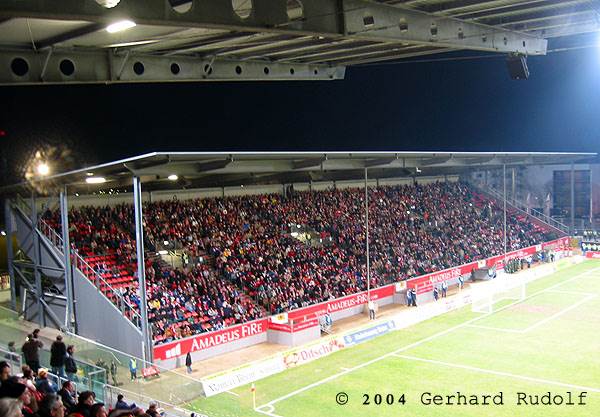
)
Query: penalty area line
[
  {"x": 415, "y": 344},
  {"x": 499, "y": 373}
]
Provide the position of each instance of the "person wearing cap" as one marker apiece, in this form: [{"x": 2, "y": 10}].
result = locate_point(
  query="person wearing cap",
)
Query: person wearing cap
[
  {"x": 43, "y": 384},
  {"x": 58, "y": 354}
]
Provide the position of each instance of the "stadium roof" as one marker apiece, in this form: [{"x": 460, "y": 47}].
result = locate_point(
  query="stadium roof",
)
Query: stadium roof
[
  {"x": 223, "y": 169},
  {"x": 183, "y": 40}
]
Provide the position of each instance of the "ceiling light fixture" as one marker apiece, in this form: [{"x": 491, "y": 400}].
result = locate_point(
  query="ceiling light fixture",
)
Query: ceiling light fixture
[
  {"x": 120, "y": 26},
  {"x": 95, "y": 180}
]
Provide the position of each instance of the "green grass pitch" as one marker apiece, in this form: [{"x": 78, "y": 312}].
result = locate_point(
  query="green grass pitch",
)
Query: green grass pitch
[{"x": 549, "y": 342}]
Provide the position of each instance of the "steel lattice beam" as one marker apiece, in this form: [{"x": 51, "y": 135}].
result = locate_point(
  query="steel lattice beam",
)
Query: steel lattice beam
[
  {"x": 108, "y": 67},
  {"x": 332, "y": 18}
]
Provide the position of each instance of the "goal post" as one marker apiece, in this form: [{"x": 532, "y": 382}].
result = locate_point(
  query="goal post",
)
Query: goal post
[{"x": 488, "y": 296}]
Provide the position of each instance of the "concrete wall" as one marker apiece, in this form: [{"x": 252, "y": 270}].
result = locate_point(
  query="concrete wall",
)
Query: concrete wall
[
  {"x": 296, "y": 338},
  {"x": 113, "y": 329}
]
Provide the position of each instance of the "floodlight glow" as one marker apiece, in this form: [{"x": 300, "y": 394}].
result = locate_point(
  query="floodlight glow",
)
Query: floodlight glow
[
  {"x": 109, "y": 4},
  {"x": 95, "y": 180},
  {"x": 173, "y": 177},
  {"x": 43, "y": 169},
  {"x": 3, "y": 233},
  {"x": 120, "y": 26}
]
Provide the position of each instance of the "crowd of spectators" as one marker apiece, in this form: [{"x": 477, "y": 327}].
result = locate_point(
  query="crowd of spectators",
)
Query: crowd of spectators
[
  {"x": 414, "y": 230},
  {"x": 26, "y": 395},
  {"x": 245, "y": 257}
]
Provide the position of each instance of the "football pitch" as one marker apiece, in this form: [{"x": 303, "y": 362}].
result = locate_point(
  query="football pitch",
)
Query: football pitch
[{"x": 511, "y": 362}]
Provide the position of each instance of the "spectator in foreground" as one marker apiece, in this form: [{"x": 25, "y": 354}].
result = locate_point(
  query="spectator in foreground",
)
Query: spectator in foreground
[
  {"x": 10, "y": 407},
  {"x": 70, "y": 364},
  {"x": 121, "y": 405},
  {"x": 4, "y": 371},
  {"x": 58, "y": 353},
  {"x": 67, "y": 394},
  {"x": 43, "y": 384},
  {"x": 98, "y": 410},
  {"x": 84, "y": 404},
  {"x": 29, "y": 379},
  {"x": 52, "y": 406},
  {"x": 31, "y": 352},
  {"x": 14, "y": 389},
  {"x": 152, "y": 410}
]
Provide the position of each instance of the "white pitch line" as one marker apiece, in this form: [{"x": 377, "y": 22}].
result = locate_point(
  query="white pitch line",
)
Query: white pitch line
[
  {"x": 415, "y": 344},
  {"x": 232, "y": 393},
  {"x": 344, "y": 369},
  {"x": 571, "y": 292},
  {"x": 499, "y": 373},
  {"x": 268, "y": 411},
  {"x": 560, "y": 313}
]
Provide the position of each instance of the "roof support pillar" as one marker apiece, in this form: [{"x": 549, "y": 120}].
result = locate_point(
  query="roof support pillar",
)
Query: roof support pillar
[{"x": 141, "y": 269}]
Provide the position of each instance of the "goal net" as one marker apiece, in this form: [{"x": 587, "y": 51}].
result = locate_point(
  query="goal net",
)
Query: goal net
[{"x": 490, "y": 295}]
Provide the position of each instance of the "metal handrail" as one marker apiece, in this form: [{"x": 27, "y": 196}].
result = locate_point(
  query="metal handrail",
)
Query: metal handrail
[
  {"x": 23, "y": 205},
  {"x": 81, "y": 264},
  {"x": 533, "y": 212},
  {"x": 122, "y": 304},
  {"x": 51, "y": 234}
]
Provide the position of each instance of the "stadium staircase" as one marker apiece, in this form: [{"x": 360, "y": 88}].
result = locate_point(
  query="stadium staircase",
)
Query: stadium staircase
[
  {"x": 521, "y": 211},
  {"x": 96, "y": 295}
]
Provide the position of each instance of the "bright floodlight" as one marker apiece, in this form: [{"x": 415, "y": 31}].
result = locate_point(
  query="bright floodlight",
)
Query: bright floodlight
[
  {"x": 43, "y": 169},
  {"x": 120, "y": 26},
  {"x": 109, "y": 4},
  {"x": 173, "y": 177},
  {"x": 3, "y": 233},
  {"x": 95, "y": 180}
]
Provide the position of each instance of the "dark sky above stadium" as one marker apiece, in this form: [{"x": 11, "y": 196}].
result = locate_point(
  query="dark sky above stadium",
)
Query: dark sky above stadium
[{"x": 467, "y": 105}]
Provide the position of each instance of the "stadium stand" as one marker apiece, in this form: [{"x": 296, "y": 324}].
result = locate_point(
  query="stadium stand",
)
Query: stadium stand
[{"x": 246, "y": 259}]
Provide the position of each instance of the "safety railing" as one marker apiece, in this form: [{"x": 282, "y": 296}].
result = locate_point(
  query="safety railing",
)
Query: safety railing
[
  {"x": 20, "y": 202},
  {"x": 51, "y": 234},
  {"x": 519, "y": 205},
  {"x": 13, "y": 358},
  {"x": 126, "y": 308}
]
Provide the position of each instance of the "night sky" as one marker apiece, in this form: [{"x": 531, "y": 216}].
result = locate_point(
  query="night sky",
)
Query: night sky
[{"x": 457, "y": 105}]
